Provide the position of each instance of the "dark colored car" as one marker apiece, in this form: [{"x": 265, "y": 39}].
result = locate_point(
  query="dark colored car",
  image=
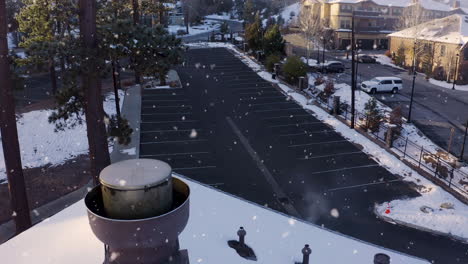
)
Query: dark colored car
[
  {"x": 333, "y": 66},
  {"x": 366, "y": 59}
]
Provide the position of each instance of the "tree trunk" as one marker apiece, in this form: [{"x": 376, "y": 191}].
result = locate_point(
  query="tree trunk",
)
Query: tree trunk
[
  {"x": 53, "y": 76},
  {"x": 96, "y": 130},
  {"x": 136, "y": 21},
  {"x": 9, "y": 134},
  {"x": 116, "y": 89},
  {"x": 162, "y": 79}
]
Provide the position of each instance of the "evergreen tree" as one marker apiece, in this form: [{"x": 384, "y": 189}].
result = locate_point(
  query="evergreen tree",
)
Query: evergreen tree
[
  {"x": 47, "y": 26},
  {"x": 155, "y": 51},
  {"x": 273, "y": 42},
  {"x": 254, "y": 34},
  {"x": 248, "y": 13},
  {"x": 293, "y": 69},
  {"x": 374, "y": 115}
]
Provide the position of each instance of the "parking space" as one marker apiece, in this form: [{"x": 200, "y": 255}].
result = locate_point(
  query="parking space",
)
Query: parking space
[
  {"x": 269, "y": 150},
  {"x": 172, "y": 133}
]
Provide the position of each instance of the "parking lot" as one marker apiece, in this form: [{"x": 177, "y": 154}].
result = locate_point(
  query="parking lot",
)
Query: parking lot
[{"x": 253, "y": 141}]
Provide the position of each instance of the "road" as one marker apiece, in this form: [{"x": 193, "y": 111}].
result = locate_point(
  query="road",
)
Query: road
[
  {"x": 229, "y": 128},
  {"x": 435, "y": 110}
]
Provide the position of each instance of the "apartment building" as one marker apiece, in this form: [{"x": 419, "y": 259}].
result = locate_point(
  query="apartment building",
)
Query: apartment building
[{"x": 374, "y": 19}]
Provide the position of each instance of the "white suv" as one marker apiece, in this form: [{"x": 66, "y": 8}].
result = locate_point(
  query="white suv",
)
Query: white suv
[{"x": 382, "y": 84}]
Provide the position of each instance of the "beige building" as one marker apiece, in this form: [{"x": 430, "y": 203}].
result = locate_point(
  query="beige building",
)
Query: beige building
[
  {"x": 374, "y": 19},
  {"x": 441, "y": 48}
]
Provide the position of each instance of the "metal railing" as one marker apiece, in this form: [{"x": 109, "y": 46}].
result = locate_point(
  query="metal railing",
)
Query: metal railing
[{"x": 441, "y": 166}]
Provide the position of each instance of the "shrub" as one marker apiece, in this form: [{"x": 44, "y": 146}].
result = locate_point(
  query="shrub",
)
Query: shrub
[
  {"x": 373, "y": 114},
  {"x": 293, "y": 69},
  {"x": 270, "y": 62},
  {"x": 329, "y": 89},
  {"x": 396, "y": 118},
  {"x": 388, "y": 53},
  {"x": 439, "y": 73},
  {"x": 319, "y": 80}
]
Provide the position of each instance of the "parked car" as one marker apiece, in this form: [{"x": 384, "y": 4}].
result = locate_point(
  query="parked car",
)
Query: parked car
[
  {"x": 366, "y": 59},
  {"x": 331, "y": 66},
  {"x": 382, "y": 84}
]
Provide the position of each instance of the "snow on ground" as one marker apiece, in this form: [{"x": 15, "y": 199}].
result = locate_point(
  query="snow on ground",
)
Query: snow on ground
[
  {"x": 451, "y": 221},
  {"x": 41, "y": 146},
  {"x": 385, "y": 60},
  {"x": 207, "y": 26},
  {"x": 214, "y": 219},
  {"x": 447, "y": 85},
  {"x": 223, "y": 16},
  {"x": 286, "y": 13},
  {"x": 11, "y": 43}
]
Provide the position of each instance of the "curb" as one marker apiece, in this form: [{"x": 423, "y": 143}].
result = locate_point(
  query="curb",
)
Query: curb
[{"x": 421, "y": 228}]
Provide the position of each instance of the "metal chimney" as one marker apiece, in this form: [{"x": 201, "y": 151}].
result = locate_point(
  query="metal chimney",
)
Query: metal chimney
[{"x": 138, "y": 212}]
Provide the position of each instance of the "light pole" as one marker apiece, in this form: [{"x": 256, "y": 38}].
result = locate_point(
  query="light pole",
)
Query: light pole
[
  {"x": 323, "y": 55},
  {"x": 353, "y": 72},
  {"x": 464, "y": 142},
  {"x": 414, "y": 82},
  {"x": 456, "y": 72}
]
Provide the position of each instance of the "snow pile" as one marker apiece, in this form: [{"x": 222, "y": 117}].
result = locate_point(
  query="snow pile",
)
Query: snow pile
[
  {"x": 207, "y": 26},
  {"x": 385, "y": 60},
  {"x": 437, "y": 196},
  {"x": 434, "y": 210},
  {"x": 447, "y": 85},
  {"x": 214, "y": 219},
  {"x": 223, "y": 16},
  {"x": 41, "y": 146}
]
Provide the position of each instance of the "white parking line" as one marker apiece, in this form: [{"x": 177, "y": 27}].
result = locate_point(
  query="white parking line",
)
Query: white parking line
[
  {"x": 172, "y": 130},
  {"x": 161, "y": 114},
  {"x": 297, "y": 124},
  {"x": 362, "y": 185},
  {"x": 331, "y": 155},
  {"x": 317, "y": 143},
  {"x": 167, "y": 106},
  {"x": 346, "y": 168},
  {"x": 174, "y": 141},
  {"x": 272, "y": 110},
  {"x": 175, "y": 121},
  {"x": 288, "y": 116},
  {"x": 195, "y": 168},
  {"x": 176, "y": 154},
  {"x": 307, "y": 133},
  {"x": 261, "y": 166}
]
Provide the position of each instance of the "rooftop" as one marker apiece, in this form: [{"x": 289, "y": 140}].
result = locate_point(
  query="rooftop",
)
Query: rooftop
[
  {"x": 428, "y": 4},
  {"x": 451, "y": 29},
  {"x": 214, "y": 219}
]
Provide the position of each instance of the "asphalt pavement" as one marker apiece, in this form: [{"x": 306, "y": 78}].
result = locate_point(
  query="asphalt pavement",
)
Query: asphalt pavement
[{"x": 229, "y": 128}]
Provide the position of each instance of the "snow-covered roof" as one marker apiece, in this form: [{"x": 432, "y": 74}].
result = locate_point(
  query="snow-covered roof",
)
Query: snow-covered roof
[
  {"x": 214, "y": 219},
  {"x": 427, "y": 4},
  {"x": 451, "y": 29}
]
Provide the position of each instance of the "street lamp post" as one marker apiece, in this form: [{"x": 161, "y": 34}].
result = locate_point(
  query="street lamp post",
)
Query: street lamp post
[
  {"x": 456, "y": 72},
  {"x": 414, "y": 83},
  {"x": 353, "y": 72},
  {"x": 464, "y": 142},
  {"x": 323, "y": 55}
]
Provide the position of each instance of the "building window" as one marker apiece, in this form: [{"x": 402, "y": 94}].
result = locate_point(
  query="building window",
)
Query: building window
[
  {"x": 345, "y": 24},
  {"x": 465, "y": 54},
  {"x": 442, "y": 50},
  {"x": 346, "y": 8}
]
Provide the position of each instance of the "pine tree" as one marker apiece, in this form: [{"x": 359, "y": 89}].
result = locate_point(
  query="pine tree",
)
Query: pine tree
[
  {"x": 248, "y": 13},
  {"x": 254, "y": 34},
  {"x": 45, "y": 24},
  {"x": 9, "y": 135},
  {"x": 273, "y": 42},
  {"x": 373, "y": 114}
]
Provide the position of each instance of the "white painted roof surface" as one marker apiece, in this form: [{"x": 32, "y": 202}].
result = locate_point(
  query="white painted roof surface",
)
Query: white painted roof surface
[
  {"x": 214, "y": 219},
  {"x": 451, "y": 29}
]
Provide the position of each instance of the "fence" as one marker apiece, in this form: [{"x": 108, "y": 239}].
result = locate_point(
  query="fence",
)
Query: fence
[{"x": 437, "y": 165}]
